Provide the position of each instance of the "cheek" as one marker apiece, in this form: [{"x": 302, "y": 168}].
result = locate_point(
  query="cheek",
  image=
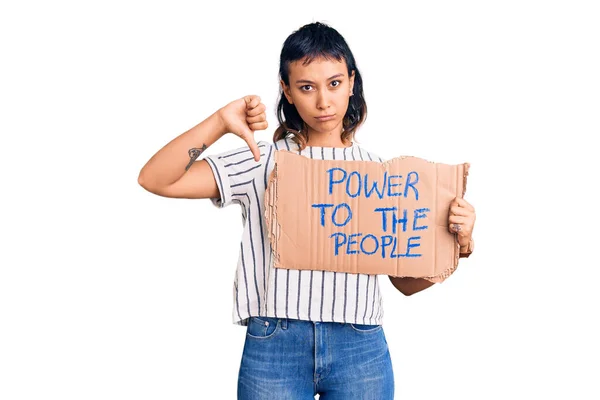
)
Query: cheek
[
  {"x": 342, "y": 97},
  {"x": 343, "y": 105},
  {"x": 302, "y": 109}
]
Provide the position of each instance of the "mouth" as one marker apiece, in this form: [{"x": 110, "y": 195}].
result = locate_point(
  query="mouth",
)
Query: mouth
[{"x": 325, "y": 117}]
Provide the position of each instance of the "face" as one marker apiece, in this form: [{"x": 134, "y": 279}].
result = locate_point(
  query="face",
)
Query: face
[{"x": 318, "y": 89}]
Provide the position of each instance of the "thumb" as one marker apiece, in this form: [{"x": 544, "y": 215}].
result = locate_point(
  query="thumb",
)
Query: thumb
[{"x": 249, "y": 139}]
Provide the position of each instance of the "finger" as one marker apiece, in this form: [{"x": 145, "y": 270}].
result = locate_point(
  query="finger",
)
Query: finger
[
  {"x": 249, "y": 139},
  {"x": 251, "y": 101},
  {"x": 258, "y": 118},
  {"x": 248, "y": 100},
  {"x": 259, "y": 126},
  {"x": 259, "y": 109},
  {"x": 463, "y": 203},
  {"x": 454, "y": 228},
  {"x": 456, "y": 210},
  {"x": 460, "y": 229},
  {"x": 455, "y": 219}
]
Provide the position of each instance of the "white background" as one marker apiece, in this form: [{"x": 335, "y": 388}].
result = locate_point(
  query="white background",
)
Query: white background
[{"x": 110, "y": 292}]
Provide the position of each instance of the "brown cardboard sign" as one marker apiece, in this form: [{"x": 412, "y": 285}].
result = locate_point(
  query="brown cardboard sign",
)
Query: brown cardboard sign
[{"x": 364, "y": 216}]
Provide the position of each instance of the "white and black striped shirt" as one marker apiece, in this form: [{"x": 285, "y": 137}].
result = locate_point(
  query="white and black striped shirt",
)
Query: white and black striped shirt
[{"x": 259, "y": 288}]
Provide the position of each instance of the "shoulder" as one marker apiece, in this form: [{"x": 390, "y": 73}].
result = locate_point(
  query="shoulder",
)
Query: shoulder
[
  {"x": 240, "y": 152},
  {"x": 268, "y": 149},
  {"x": 367, "y": 155},
  {"x": 285, "y": 144}
]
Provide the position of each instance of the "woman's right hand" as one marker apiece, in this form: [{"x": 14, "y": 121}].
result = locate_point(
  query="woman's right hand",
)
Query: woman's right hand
[{"x": 244, "y": 116}]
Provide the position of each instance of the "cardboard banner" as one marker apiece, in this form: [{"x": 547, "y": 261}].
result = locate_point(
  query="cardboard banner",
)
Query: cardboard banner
[{"x": 364, "y": 216}]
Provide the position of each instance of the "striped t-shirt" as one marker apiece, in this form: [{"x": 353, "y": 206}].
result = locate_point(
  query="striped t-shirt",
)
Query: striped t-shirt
[{"x": 260, "y": 289}]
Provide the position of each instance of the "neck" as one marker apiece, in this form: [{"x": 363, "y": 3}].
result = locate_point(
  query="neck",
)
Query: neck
[{"x": 318, "y": 139}]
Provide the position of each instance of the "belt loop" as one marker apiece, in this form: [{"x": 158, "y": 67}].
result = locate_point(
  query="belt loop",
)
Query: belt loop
[{"x": 284, "y": 322}]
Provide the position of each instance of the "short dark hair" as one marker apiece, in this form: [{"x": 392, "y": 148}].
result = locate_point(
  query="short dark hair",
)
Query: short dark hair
[{"x": 312, "y": 41}]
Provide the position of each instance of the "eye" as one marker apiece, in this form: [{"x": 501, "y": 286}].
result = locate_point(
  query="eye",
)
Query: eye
[
  {"x": 339, "y": 83},
  {"x": 302, "y": 87}
]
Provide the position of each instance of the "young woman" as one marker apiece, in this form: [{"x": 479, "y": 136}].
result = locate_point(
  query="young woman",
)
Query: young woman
[{"x": 308, "y": 332}]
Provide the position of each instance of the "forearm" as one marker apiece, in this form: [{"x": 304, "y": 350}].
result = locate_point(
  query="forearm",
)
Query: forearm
[
  {"x": 173, "y": 160},
  {"x": 408, "y": 285}
]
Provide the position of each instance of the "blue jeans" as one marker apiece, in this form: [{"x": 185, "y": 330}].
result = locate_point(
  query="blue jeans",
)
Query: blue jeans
[{"x": 293, "y": 359}]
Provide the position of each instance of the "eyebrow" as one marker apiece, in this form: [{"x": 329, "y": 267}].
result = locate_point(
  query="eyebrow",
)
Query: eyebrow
[{"x": 307, "y": 81}]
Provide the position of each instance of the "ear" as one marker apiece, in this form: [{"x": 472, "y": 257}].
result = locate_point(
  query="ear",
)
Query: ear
[
  {"x": 352, "y": 82},
  {"x": 286, "y": 91}
]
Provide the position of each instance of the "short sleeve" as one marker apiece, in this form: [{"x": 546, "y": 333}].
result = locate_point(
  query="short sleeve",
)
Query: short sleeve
[
  {"x": 367, "y": 155},
  {"x": 234, "y": 171}
]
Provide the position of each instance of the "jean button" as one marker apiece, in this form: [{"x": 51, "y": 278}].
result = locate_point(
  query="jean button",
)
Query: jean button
[{"x": 266, "y": 323}]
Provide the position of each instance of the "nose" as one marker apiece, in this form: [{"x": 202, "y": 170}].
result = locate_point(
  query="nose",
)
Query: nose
[{"x": 323, "y": 100}]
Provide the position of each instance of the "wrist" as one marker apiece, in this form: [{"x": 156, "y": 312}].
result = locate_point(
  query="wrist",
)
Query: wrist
[
  {"x": 464, "y": 241},
  {"x": 467, "y": 248},
  {"x": 220, "y": 123}
]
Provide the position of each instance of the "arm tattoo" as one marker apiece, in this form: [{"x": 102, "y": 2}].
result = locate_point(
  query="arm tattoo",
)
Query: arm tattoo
[{"x": 194, "y": 153}]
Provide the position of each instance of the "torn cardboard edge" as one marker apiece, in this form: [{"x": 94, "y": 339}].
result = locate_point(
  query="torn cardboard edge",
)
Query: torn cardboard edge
[{"x": 315, "y": 221}]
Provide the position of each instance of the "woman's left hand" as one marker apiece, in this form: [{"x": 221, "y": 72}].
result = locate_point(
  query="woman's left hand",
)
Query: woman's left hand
[{"x": 461, "y": 220}]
